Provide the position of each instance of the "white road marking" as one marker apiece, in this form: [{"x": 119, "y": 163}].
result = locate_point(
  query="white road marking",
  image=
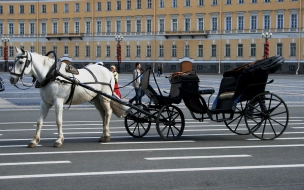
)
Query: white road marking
[
  {"x": 15, "y": 146},
  {"x": 152, "y": 171},
  {"x": 34, "y": 163},
  {"x": 198, "y": 157},
  {"x": 147, "y": 142},
  {"x": 280, "y": 138},
  {"x": 150, "y": 149}
]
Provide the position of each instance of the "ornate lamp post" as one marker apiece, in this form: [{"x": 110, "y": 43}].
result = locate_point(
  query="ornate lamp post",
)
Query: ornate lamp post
[
  {"x": 5, "y": 40},
  {"x": 266, "y": 45},
  {"x": 118, "y": 39}
]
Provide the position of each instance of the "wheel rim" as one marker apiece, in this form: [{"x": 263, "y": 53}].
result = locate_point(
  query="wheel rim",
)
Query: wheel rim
[
  {"x": 267, "y": 116},
  {"x": 237, "y": 124},
  {"x": 170, "y": 122},
  {"x": 138, "y": 124}
]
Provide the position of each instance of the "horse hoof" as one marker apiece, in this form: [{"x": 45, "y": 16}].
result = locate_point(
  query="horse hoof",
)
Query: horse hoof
[
  {"x": 31, "y": 145},
  {"x": 57, "y": 145},
  {"x": 104, "y": 139}
]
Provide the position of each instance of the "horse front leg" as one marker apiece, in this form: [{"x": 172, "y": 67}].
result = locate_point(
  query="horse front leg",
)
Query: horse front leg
[
  {"x": 58, "y": 112},
  {"x": 44, "y": 109}
]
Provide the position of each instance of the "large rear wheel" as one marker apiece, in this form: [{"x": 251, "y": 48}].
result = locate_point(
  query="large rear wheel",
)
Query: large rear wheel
[
  {"x": 266, "y": 116},
  {"x": 170, "y": 122}
]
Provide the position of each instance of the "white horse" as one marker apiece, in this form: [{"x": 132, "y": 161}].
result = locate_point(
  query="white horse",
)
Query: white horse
[{"x": 56, "y": 93}]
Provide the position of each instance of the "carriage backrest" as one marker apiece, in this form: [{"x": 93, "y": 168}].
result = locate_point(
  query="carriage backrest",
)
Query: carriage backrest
[{"x": 147, "y": 88}]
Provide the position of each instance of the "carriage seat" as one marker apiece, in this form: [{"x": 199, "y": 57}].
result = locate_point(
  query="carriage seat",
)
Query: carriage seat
[
  {"x": 206, "y": 91},
  {"x": 226, "y": 95}
]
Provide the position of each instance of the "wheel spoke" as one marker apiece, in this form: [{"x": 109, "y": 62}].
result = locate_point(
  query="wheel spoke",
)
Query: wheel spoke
[
  {"x": 278, "y": 113},
  {"x": 277, "y": 122},
  {"x": 272, "y": 128}
]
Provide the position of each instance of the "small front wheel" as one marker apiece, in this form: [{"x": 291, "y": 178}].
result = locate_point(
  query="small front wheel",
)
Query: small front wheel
[
  {"x": 266, "y": 116},
  {"x": 170, "y": 122}
]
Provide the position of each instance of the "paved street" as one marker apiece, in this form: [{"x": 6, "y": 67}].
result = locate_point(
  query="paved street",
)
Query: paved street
[{"x": 207, "y": 156}]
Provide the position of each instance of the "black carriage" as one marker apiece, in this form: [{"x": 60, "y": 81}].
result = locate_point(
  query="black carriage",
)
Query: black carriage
[{"x": 242, "y": 103}]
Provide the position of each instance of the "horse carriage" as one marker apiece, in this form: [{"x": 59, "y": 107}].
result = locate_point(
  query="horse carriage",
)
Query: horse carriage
[{"x": 241, "y": 101}]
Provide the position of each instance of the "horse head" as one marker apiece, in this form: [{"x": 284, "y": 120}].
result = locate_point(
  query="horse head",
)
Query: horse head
[{"x": 21, "y": 66}]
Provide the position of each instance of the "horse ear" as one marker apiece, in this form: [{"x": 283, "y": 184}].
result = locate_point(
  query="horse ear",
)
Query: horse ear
[
  {"x": 22, "y": 50},
  {"x": 17, "y": 50}
]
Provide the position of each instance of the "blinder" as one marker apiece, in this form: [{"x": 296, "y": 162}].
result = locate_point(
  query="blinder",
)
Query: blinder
[{"x": 27, "y": 63}]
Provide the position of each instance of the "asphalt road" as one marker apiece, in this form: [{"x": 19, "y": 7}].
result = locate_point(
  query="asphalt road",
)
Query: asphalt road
[{"x": 207, "y": 156}]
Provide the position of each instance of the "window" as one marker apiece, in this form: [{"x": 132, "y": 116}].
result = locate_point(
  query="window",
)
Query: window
[
  {"x": 187, "y": 51},
  {"x": 149, "y": 25},
  {"x": 214, "y": 2},
  {"x": 266, "y": 21},
  {"x": 54, "y": 8},
  {"x": 149, "y": 50},
  {"x": 55, "y": 49},
  {"x": 1, "y": 9},
  {"x": 266, "y": 1},
  {"x": 138, "y": 4},
  {"x": 228, "y": 2},
  {"x": 279, "y": 49},
  {"x": 253, "y": 22},
  {"x": 228, "y": 23},
  {"x": 161, "y": 25},
  {"x": 280, "y": 21},
  {"x": 108, "y": 51},
  {"x": 174, "y": 3},
  {"x": 173, "y": 67},
  {"x": 32, "y": 9},
  {"x": 241, "y": 23},
  {"x": 55, "y": 28},
  {"x": 66, "y": 50},
  {"x": 118, "y": 26},
  {"x": 227, "y": 50},
  {"x": 161, "y": 51},
  {"x": 77, "y": 27},
  {"x": 200, "y": 51},
  {"x": 32, "y": 49},
  {"x": 173, "y": 51},
  {"x": 187, "y": 24},
  {"x": 200, "y": 24},
  {"x": 21, "y": 28},
  {"x": 240, "y": 50},
  {"x": 293, "y": 49},
  {"x": 200, "y": 2},
  {"x": 88, "y": 27},
  {"x": 11, "y": 9},
  {"x": 253, "y": 50},
  {"x": 98, "y": 51},
  {"x": 1, "y": 51},
  {"x": 11, "y": 51},
  {"x": 98, "y": 8},
  {"x": 187, "y": 3},
  {"x": 43, "y": 28},
  {"x": 294, "y": 21},
  {"x": 128, "y": 5},
  {"x": 137, "y": 51},
  {"x": 21, "y": 11},
  {"x": 161, "y": 4},
  {"x": 76, "y": 51},
  {"x": 66, "y": 8},
  {"x": 108, "y": 5},
  {"x": 66, "y": 27},
  {"x": 128, "y": 26},
  {"x": 109, "y": 26},
  {"x": 127, "y": 50},
  {"x": 254, "y": 1},
  {"x": 118, "y": 5},
  {"x": 87, "y": 51},
  {"x": 43, "y": 50},
  {"x": 32, "y": 28},
  {"x": 11, "y": 28},
  {"x": 241, "y": 1},
  {"x": 98, "y": 27},
  {"x": 214, "y": 23},
  {"x": 43, "y": 9},
  {"x": 77, "y": 8},
  {"x": 213, "y": 50},
  {"x": 88, "y": 7},
  {"x": 174, "y": 24},
  {"x": 149, "y": 4},
  {"x": 138, "y": 25},
  {"x": 1, "y": 28}
]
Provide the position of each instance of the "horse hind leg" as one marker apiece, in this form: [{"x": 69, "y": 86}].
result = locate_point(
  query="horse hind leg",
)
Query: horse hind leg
[
  {"x": 58, "y": 111},
  {"x": 44, "y": 109}
]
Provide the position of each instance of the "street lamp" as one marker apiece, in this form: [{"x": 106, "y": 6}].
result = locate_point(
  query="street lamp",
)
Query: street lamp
[
  {"x": 5, "y": 40},
  {"x": 266, "y": 45},
  {"x": 118, "y": 39}
]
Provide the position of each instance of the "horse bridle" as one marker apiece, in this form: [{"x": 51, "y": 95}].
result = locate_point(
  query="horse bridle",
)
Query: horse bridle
[{"x": 27, "y": 63}]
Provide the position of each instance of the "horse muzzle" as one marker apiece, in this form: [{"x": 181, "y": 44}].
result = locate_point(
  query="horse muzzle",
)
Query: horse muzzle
[{"x": 13, "y": 80}]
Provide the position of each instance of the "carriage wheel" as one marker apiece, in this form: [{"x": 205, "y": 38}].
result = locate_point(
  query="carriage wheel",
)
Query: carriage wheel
[
  {"x": 138, "y": 124},
  {"x": 266, "y": 116},
  {"x": 170, "y": 122},
  {"x": 237, "y": 124}
]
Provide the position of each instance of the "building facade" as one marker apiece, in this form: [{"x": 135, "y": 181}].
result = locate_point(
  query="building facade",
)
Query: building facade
[{"x": 208, "y": 36}]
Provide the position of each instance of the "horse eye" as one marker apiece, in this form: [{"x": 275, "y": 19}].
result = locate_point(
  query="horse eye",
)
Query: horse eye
[{"x": 21, "y": 62}]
